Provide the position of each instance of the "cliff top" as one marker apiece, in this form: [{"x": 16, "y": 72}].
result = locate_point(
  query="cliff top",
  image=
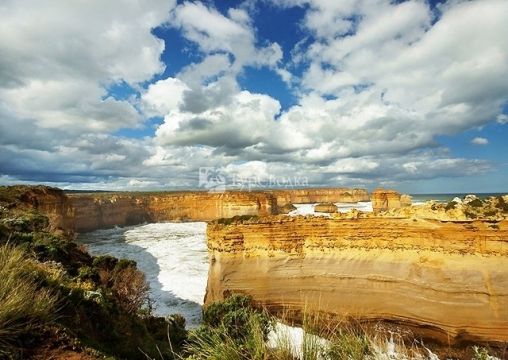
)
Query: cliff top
[{"x": 470, "y": 208}]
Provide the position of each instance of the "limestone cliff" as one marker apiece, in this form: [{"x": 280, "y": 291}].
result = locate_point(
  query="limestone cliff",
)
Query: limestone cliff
[
  {"x": 319, "y": 195},
  {"x": 50, "y": 201},
  {"x": 383, "y": 200},
  {"x": 96, "y": 211},
  {"x": 107, "y": 210},
  {"x": 444, "y": 279}
]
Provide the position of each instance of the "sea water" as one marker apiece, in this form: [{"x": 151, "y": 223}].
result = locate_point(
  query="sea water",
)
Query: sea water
[{"x": 173, "y": 257}]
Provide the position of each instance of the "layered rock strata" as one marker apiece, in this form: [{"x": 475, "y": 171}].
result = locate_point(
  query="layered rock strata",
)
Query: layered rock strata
[
  {"x": 50, "y": 201},
  {"x": 319, "y": 195},
  {"x": 383, "y": 199},
  {"x": 447, "y": 280},
  {"x": 96, "y": 211},
  {"x": 103, "y": 211},
  {"x": 90, "y": 211}
]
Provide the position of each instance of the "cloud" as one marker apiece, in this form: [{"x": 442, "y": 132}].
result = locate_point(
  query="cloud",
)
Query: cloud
[
  {"x": 163, "y": 97},
  {"x": 377, "y": 83},
  {"x": 502, "y": 119},
  {"x": 363, "y": 114},
  {"x": 479, "y": 141},
  {"x": 59, "y": 58}
]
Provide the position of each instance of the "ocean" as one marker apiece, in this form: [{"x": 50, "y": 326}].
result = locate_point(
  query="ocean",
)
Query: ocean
[{"x": 419, "y": 198}]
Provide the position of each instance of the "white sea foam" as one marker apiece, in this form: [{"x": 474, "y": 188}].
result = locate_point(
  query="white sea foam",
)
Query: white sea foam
[
  {"x": 173, "y": 257},
  {"x": 365, "y": 206}
]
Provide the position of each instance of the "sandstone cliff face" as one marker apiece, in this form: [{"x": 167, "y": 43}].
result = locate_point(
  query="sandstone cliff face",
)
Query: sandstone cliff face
[
  {"x": 96, "y": 211},
  {"x": 307, "y": 196},
  {"x": 383, "y": 200},
  {"x": 405, "y": 200},
  {"x": 445, "y": 280},
  {"x": 52, "y": 202},
  {"x": 103, "y": 211}
]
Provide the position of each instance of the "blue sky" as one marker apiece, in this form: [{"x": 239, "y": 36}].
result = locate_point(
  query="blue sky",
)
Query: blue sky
[{"x": 140, "y": 96}]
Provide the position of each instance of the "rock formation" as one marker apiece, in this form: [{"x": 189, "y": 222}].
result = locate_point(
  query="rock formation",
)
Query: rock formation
[
  {"x": 406, "y": 200},
  {"x": 308, "y": 196},
  {"x": 383, "y": 200},
  {"x": 286, "y": 209},
  {"x": 447, "y": 280},
  {"x": 96, "y": 211},
  {"x": 107, "y": 210},
  {"x": 84, "y": 212},
  {"x": 326, "y": 208},
  {"x": 50, "y": 201}
]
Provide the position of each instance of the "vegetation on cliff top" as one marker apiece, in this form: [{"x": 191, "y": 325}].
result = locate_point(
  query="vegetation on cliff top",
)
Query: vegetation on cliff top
[{"x": 54, "y": 296}]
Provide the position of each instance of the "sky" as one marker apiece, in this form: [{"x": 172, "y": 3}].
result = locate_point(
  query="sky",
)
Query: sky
[{"x": 141, "y": 95}]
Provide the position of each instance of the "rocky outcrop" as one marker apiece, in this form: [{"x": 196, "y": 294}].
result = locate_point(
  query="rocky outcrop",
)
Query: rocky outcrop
[
  {"x": 383, "y": 200},
  {"x": 49, "y": 201},
  {"x": 406, "y": 200},
  {"x": 308, "y": 196},
  {"x": 447, "y": 280},
  {"x": 286, "y": 209},
  {"x": 471, "y": 208},
  {"x": 326, "y": 208}
]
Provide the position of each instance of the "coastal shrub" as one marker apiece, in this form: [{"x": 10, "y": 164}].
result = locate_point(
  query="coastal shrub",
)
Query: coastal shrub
[
  {"x": 475, "y": 203},
  {"x": 451, "y": 205},
  {"x": 24, "y": 306},
  {"x": 501, "y": 204},
  {"x": 480, "y": 353},
  {"x": 232, "y": 329},
  {"x": 129, "y": 286},
  {"x": 236, "y": 219},
  {"x": 236, "y": 313},
  {"x": 217, "y": 343},
  {"x": 348, "y": 344}
]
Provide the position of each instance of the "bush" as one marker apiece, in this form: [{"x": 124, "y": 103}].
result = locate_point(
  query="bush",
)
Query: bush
[
  {"x": 232, "y": 329},
  {"x": 25, "y": 307},
  {"x": 348, "y": 345},
  {"x": 501, "y": 204},
  {"x": 235, "y": 314},
  {"x": 476, "y": 203},
  {"x": 451, "y": 205},
  {"x": 236, "y": 219},
  {"x": 129, "y": 286}
]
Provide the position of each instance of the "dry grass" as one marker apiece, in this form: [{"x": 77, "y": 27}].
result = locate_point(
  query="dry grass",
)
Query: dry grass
[{"x": 24, "y": 306}]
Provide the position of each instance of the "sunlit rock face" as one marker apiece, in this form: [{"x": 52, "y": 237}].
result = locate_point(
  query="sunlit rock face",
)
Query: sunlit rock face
[
  {"x": 98, "y": 211},
  {"x": 383, "y": 199},
  {"x": 308, "y": 196},
  {"x": 326, "y": 208},
  {"x": 50, "y": 201},
  {"x": 103, "y": 211},
  {"x": 405, "y": 200},
  {"x": 445, "y": 280}
]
